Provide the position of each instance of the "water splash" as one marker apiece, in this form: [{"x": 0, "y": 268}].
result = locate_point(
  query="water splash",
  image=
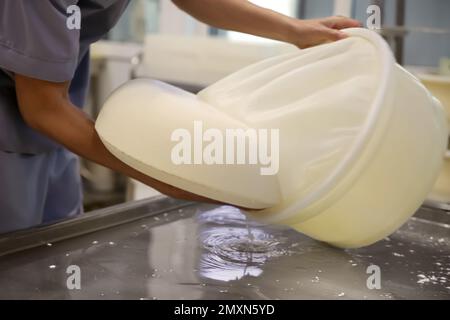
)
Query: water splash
[{"x": 235, "y": 247}]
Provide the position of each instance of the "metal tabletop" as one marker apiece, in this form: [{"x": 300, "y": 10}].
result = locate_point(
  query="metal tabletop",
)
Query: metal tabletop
[{"x": 167, "y": 249}]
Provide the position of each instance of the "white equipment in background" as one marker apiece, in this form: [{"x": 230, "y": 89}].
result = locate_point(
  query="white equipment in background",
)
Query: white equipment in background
[
  {"x": 439, "y": 85},
  {"x": 111, "y": 66},
  {"x": 200, "y": 61}
]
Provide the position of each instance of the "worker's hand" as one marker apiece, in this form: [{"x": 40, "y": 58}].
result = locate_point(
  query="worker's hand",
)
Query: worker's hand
[
  {"x": 244, "y": 16},
  {"x": 308, "y": 33}
]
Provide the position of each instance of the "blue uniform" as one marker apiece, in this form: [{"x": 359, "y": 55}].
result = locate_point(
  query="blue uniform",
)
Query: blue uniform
[{"x": 39, "y": 179}]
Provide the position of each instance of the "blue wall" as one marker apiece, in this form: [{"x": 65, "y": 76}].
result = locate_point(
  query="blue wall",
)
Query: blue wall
[
  {"x": 318, "y": 8},
  {"x": 420, "y": 48}
]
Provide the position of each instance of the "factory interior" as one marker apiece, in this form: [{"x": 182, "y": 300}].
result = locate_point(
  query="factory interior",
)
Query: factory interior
[{"x": 369, "y": 214}]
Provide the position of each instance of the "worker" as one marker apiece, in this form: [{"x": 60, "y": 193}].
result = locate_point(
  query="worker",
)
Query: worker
[{"x": 44, "y": 70}]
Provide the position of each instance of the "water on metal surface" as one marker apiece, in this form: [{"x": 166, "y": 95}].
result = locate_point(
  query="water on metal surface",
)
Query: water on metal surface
[{"x": 210, "y": 252}]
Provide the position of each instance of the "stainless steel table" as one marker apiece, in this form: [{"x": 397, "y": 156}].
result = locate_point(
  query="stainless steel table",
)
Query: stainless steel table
[{"x": 166, "y": 249}]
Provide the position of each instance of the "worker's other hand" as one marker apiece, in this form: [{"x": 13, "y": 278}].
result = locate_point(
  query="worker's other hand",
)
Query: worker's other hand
[{"x": 309, "y": 33}]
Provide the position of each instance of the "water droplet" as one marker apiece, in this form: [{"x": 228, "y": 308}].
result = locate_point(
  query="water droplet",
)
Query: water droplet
[
  {"x": 423, "y": 279},
  {"x": 49, "y": 244},
  {"x": 396, "y": 254},
  {"x": 52, "y": 266},
  {"x": 95, "y": 242},
  {"x": 341, "y": 294}
]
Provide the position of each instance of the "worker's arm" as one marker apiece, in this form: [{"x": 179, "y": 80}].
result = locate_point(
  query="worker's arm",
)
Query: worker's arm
[
  {"x": 45, "y": 107},
  {"x": 243, "y": 16}
]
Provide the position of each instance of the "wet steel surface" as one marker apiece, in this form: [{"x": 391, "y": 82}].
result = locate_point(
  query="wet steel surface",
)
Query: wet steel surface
[{"x": 211, "y": 252}]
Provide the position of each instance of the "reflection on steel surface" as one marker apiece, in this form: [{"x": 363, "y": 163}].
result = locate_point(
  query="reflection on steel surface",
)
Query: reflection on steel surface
[{"x": 213, "y": 252}]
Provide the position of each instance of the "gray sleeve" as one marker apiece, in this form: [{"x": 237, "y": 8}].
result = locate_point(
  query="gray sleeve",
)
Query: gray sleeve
[{"x": 35, "y": 40}]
